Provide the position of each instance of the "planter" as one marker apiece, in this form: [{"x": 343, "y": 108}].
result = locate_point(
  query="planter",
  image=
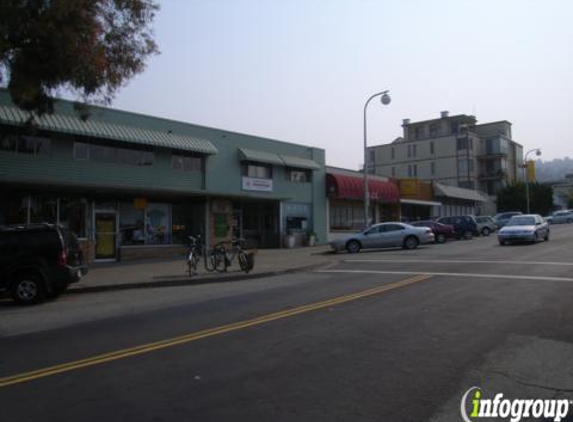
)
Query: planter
[
  {"x": 311, "y": 241},
  {"x": 288, "y": 241}
]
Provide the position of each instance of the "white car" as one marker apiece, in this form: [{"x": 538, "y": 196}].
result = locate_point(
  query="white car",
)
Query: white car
[
  {"x": 524, "y": 228},
  {"x": 565, "y": 216},
  {"x": 384, "y": 235}
]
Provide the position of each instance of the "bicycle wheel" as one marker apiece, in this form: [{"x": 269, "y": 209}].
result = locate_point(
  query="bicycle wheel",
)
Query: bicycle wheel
[
  {"x": 244, "y": 262},
  {"x": 192, "y": 264},
  {"x": 209, "y": 261},
  {"x": 220, "y": 261}
]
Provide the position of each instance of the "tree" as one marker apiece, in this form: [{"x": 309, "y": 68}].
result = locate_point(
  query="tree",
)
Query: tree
[
  {"x": 88, "y": 47},
  {"x": 513, "y": 198}
]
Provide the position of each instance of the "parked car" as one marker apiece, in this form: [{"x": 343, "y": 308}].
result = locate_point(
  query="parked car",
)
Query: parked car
[
  {"x": 524, "y": 228},
  {"x": 549, "y": 219},
  {"x": 384, "y": 235},
  {"x": 565, "y": 216},
  {"x": 501, "y": 219},
  {"x": 38, "y": 261},
  {"x": 486, "y": 225},
  {"x": 465, "y": 226},
  {"x": 442, "y": 232}
]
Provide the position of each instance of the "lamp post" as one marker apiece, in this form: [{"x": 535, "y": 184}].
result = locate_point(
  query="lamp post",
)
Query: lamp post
[
  {"x": 385, "y": 99},
  {"x": 538, "y": 153}
]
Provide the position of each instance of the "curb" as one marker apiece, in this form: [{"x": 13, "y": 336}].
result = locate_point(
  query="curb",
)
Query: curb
[{"x": 188, "y": 281}]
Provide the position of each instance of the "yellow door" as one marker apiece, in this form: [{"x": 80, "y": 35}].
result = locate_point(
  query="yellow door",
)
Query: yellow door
[{"x": 105, "y": 236}]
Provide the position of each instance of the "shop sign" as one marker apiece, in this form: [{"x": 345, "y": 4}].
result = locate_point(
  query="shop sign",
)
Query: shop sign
[
  {"x": 410, "y": 186},
  {"x": 260, "y": 185},
  {"x": 140, "y": 203}
]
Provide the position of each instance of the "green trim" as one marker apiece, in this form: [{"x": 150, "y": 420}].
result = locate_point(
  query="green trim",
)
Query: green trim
[
  {"x": 297, "y": 162},
  {"x": 74, "y": 125}
]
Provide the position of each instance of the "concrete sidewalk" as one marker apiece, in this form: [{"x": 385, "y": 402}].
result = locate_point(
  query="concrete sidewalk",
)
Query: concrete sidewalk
[{"x": 173, "y": 272}]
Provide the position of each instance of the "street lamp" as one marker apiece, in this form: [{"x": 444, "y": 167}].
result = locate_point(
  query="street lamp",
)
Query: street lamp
[
  {"x": 385, "y": 99},
  {"x": 538, "y": 153}
]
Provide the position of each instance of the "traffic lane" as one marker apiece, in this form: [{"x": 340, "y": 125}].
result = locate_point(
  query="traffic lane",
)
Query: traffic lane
[
  {"x": 470, "y": 266},
  {"x": 202, "y": 311},
  {"x": 397, "y": 356}
]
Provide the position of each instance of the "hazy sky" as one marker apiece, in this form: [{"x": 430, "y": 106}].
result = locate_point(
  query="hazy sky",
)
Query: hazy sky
[{"x": 301, "y": 70}]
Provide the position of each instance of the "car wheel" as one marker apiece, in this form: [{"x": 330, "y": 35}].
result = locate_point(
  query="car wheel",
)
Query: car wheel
[
  {"x": 485, "y": 231},
  {"x": 28, "y": 288},
  {"x": 467, "y": 235},
  {"x": 440, "y": 238},
  {"x": 411, "y": 242},
  {"x": 353, "y": 246}
]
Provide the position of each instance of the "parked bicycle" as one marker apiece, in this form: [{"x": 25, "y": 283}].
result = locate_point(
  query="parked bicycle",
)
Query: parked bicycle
[
  {"x": 198, "y": 250},
  {"x": 226, "y": 252}
]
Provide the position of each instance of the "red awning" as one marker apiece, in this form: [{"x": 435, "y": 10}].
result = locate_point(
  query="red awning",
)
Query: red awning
[{"x": 352, "y": 187}]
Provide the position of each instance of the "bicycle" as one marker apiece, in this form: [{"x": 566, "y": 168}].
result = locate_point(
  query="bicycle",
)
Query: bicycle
[
  {"x": 196, "y": 251},
  {"x": 225, "y": 253}
]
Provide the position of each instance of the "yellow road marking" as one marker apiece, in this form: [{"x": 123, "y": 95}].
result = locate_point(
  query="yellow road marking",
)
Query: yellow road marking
[{"x": 162, "y": 344}]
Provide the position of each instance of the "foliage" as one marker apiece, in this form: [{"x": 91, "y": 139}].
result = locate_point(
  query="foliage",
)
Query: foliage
[
  {"x": 88, "y": 47},
  {"x": 513, "y": 198}
]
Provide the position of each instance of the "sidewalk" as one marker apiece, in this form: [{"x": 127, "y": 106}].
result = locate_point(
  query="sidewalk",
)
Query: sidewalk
[{"x": 162, "y": 273}]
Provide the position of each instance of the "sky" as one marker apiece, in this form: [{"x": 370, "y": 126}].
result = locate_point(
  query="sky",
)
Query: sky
[{"x": 301, "y": 70}]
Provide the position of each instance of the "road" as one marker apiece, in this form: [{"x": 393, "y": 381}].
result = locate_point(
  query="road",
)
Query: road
[{"x": 387, "y": 335}]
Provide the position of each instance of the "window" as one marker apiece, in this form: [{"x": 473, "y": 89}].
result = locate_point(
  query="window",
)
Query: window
[
  {"x": 415, "y": 168},
  {"x": 298, "y": 175},
  {"x": 462, "y": 143},
  {"x": 455, "y": 126},
  {"x": 43, "y": 209},
  {"x": 419, "y": 132},
  {"x": 372, "y": 156},
  {"x": 409, "y": 171},
  {"x": 347, "y": 216},
  {"x": 33, "y": 145},
  {"x": 392, "y": 153},
  {"x": 467, "y": 184},
  {"x": 414, "y": 147},
  {"x": 258, "y": 170},
  {"x": 433, "y": 168},
  {"x": 431, "y": 147},
  {"x": 95, "y": 151},
  {"x": 73, "y": 215},
  {"x": 186, "y": 163},
  {"x": 393, "y": 171},
  {"x": 13, "y": 209},
  {"x": 409, "y": 151},
  {"x": 465, "y": 166},
  {"x": 434, "y": 130}
]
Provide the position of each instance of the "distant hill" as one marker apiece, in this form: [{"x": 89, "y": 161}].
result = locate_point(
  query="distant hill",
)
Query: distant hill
[{"x": 554, "y": 170}]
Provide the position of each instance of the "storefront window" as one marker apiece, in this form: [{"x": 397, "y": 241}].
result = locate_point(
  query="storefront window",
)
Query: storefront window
[
  {"x": 43, "y": 209},
  {"x": 347, "y": 217},
  {"x": 158, "y": 224},
  {"x": 73, "y": 215},
  {"x": 186, "y": 163},
  {"x": 188, "y": 220},
  {"x": 298, "y": 175},
  {"x": 131, "y": 224},
  {"x": 13, "y": 210}
]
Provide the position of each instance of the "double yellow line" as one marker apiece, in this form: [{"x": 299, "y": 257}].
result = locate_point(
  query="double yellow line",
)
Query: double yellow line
[{"x": 187, "y": 338}]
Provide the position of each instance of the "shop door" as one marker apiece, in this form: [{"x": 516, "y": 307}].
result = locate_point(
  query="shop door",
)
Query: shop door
[{"x": 105, "y": 235}]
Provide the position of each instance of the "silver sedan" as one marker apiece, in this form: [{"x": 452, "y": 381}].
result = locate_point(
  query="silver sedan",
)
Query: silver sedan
[
  {"x": 385, "y": 235},
  {"x": 524, "y": 228}
]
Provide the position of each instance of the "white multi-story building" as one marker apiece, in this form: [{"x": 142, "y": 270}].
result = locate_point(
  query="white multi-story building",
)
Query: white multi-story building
[{"x": 452, "y": 150}]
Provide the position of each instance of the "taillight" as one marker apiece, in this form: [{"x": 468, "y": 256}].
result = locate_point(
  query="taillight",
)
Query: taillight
[{"x": 63, "y": 259}]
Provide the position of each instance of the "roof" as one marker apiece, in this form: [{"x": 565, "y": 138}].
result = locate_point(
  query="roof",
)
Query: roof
[
  {"x": 352, "y": 187},
  {"x": 459, "y": 193},
  {"x": 278, "y": 159},
  {"x": 93, "y": 128},
  {"x": 464, "y": 117}
]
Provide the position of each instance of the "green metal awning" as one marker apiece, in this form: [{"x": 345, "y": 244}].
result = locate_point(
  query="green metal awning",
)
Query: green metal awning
[
  {"x": 304, "y": 163},
  {"x": 260, "y": 156},
  {"x": 75, "y": 125}
]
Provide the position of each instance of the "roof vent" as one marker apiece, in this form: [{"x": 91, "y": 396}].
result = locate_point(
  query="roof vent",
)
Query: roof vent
[
  {"x": 444, "y": 114},
  {"x": 405, "y": 122}
]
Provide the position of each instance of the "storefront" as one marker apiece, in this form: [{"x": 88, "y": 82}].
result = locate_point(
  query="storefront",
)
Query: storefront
[
  {"x": 134, "y": 186},
  {"x": 345, "y": 192}
]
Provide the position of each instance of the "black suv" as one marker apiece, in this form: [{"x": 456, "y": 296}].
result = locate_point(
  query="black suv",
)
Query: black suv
[
  {"x": 38, "y": 261},
  {"x": 465, "y": 226}
]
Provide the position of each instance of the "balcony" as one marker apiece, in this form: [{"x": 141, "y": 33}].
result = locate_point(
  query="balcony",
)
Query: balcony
[
  {"x": 493, "y": 175},
  {"x": 492, "y": 156}
]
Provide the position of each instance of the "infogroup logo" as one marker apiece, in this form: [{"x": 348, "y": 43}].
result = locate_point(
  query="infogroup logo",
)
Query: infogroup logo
[{"x": 514, "y": 410}]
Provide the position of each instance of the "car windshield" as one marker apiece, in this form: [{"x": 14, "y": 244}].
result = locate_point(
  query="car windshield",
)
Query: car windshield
[{"x": 519, "y": 220}]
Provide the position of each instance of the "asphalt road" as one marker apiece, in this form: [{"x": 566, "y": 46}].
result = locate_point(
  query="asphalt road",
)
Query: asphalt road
[{"x": 382, "y": 336}]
